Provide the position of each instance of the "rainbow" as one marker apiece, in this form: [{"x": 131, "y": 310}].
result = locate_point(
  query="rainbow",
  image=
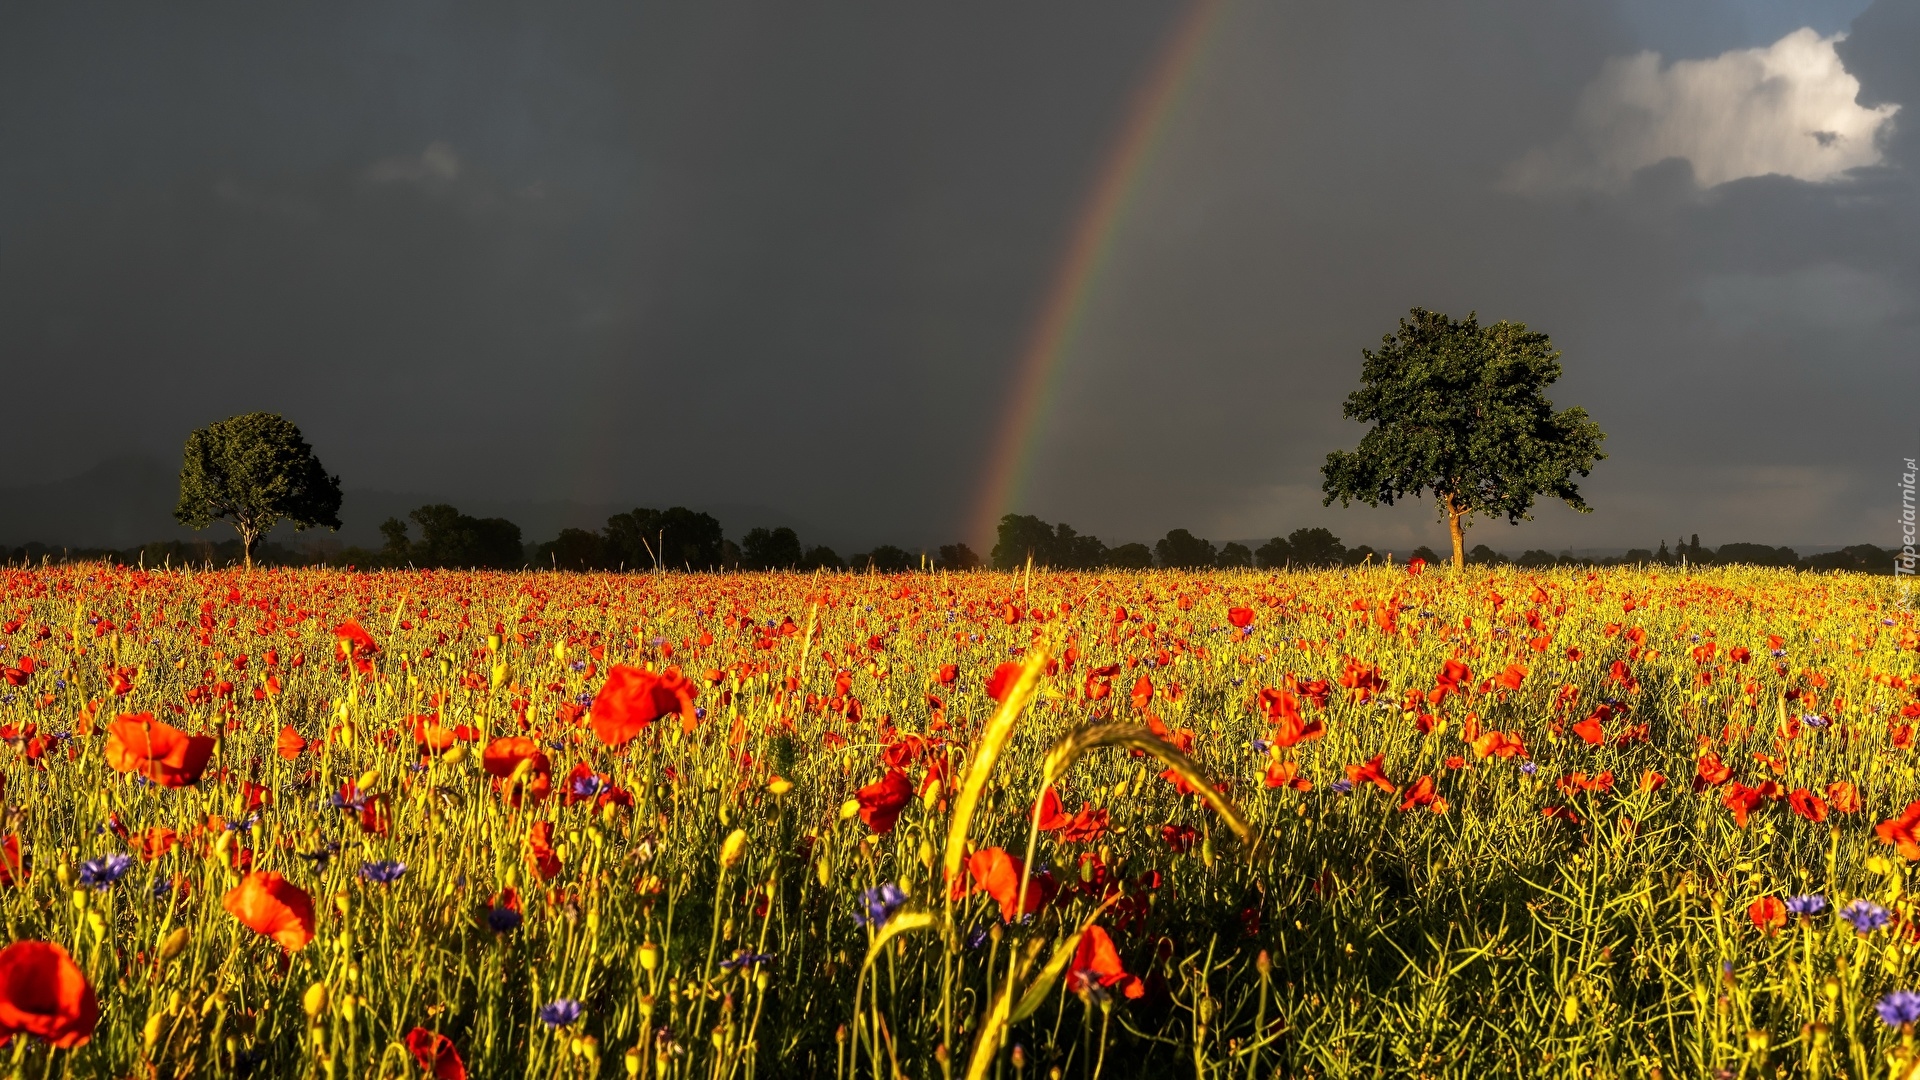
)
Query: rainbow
[{"x": 1079, "y": 270}]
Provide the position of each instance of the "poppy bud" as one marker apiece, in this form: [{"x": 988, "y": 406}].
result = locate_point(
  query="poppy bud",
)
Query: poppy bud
[
  {"x": 64, "y": 872},
  {"x": 823, "y": 872},
  {"x": 631, "y": 1059},
  {"x": 173, "y": 944},
  {"x": 499, "y": 676},
  {"x": 493, "y": 642},
  {"x": 926, "y": 854},
  {"x": 733, "y": 847},
  {"x": 454, "y": 755},
  {"x": 779, "y": 785},
  {"x": 847, "y": 811},
  {"x": 649, "y": 956},
  {"x": 315, "y": 1000},
  {"x": 368, "y": 779}
]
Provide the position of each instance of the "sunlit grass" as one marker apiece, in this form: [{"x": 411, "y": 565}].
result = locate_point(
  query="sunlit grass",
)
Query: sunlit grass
[{"x": 703, "y": 910}]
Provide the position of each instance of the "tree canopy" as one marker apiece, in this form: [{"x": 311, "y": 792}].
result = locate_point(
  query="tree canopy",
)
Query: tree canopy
[
  {"x": 253, "y": 472},
  {"x": 452, "y": 540},
  {"x": 1460, "y": 411}
]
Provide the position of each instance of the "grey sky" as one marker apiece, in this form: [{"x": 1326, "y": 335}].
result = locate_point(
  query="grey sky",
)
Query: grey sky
[{"x": 786, "y": 256}]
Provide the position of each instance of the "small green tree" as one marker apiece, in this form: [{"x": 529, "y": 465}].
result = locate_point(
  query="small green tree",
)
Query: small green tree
[
  {"x": 253, "y": 472},
  {"x": 1459, "y": 410}
]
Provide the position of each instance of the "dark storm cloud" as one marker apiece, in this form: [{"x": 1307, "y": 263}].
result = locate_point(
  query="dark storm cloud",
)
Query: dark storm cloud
[{"x": 785, "y": 257}]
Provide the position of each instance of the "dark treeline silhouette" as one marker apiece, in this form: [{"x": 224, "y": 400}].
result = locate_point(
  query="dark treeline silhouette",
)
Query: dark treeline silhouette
[{"x": 440, "y": 536}]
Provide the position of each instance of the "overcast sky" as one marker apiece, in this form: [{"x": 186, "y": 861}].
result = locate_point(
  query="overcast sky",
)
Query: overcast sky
[{"x": 788, "y": 255}]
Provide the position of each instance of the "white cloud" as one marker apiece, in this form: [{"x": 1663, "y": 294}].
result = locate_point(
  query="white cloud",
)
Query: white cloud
[
  {"x": 437, "y": 162},
  {"x": 1787, "y": 109}
]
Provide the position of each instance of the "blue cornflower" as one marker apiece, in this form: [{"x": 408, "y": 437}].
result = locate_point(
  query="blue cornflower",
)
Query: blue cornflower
[
  {"x": 978, "y": 938},
  {"x": 102, "y": 872},
  {"x": 578, "y": 665},
  {"x": 1777, "y": 653},
  {"x": 879, "y": 905},
  {"x": 1809, "y": 905},
  {"x": 1866, "y": 916},
  {"x": 1259, "y": 746},
  {"x": 1813, "y": 720},
  {"x": 503, "y": 920},
  {"x": 340, "y": 802},
  {"x": 559, "y": 1012},
  {"x": 59, "y": 684},
  {"x": 585, "y": 698},
  {"x": 383, "y": 871},
  {"x": 1529, "y": 768},
  {"x": 1341, "y": 787},
  {"x": 1899, "y": 1007},
  {"x": 745, "y": 958},
  {"x": 700, "y": 712},
  {"x": 585, "y": 787}
]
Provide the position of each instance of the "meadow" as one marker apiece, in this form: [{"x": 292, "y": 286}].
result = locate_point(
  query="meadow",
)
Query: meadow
[{"x": 1374, "y": 822}]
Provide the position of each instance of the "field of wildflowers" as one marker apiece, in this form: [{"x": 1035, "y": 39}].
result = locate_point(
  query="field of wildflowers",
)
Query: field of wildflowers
[{"x": 1346, "y": 823}]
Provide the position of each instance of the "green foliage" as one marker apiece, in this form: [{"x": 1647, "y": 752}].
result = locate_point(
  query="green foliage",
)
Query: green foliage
[
  {"x": 821, "y": 557},
  {"x": 885, "y": 559},
  {"x": 253, "y": 472},
  {"x": 1235, "y": 556},
  {"x": 1315, "y": 547},
  {"x": 1751, "y": 555},
  {"x": 1482, "y": 555},
  {"x": 958, "y": 557},
  {"x": 1059, "y": 546},
  {"x": 452, "y": 540},
  {"x": 674, "y": 539},
  {"x": 1182, "y": 550},
  {"x": 1460, "y": 410},
  {"x": 574, "y": 549},
  {"x": 771, "y": 549},
  {"x": 1135, "y": 556}
]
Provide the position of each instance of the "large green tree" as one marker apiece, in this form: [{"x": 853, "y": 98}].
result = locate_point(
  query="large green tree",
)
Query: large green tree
[
  {"x": 1460, "y": 411},
  {"x": 253, "y": 472}
]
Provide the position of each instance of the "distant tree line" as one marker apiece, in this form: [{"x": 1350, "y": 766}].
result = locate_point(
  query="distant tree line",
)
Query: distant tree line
[{"x": 1022, "y": 537}]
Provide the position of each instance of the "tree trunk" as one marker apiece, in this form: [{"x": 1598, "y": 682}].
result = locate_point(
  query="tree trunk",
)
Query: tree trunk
[
  {"x": 247, "y": 540},
  {"x": 1454, "y": 514}
]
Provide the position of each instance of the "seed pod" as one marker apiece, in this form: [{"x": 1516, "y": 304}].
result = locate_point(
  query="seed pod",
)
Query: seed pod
[
  {"x": 733, "y": 847},
  {"x": 174, "y": 944},
  {"x": 315, "y": 1000}
]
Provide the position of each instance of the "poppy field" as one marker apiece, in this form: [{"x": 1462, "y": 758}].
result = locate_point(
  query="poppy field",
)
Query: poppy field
[{"x": 1372, "y": 822}]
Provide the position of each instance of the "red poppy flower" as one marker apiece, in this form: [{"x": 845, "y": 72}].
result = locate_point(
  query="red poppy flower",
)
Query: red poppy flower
[
  {"x": 1807, "y": 804},
  {"x": 436, "y": 1055},
  {"x": 12, "y": 870},
  {"x": 521, "y": 764},
  {"x": 882, "y": 800},
  {"x": 44, "y": 993},
  {"x": 156, "y": 750},
  {"x": 1900, "y": 832},
  {"x": 1512, "y": 677},
  {"x": 632, "y": 699},
  {"x": 1422, "y": 794},
  {"x": 1290, "y": 728},
  {"x": 1590, "y": 731},
  {"x": 1000, "y": 683},
  {"x": 1286, "y": 774},
  {"x": 289, "y": 743},
  {"x": 1097, "y": 963},
  {"x": 354, "y": 641},
  {"x": 1768, "y": 914},
  {"x": 269, "y": 904},
  {"x": 540, "y": 850},
  {"x": 1843, "y": 797},
  {"x": 998, "y": 874},
  {"x": 948, "y": 673},
  {"x": 1241, "y": 617},
  {"x": 1370, "y": 773},
  {"x": 1711, "y": 772}
]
